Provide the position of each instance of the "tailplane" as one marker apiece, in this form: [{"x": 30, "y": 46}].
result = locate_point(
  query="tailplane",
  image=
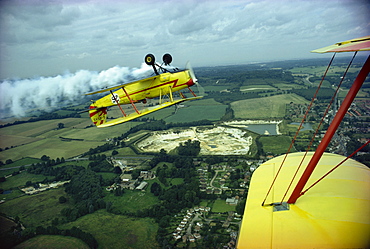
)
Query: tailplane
[{"x": 98, "y": 115}]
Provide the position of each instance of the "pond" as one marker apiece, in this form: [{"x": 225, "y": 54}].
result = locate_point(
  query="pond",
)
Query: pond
[
  {"x": 305, "y": 127},
  {"x": 263, "y": 129}
]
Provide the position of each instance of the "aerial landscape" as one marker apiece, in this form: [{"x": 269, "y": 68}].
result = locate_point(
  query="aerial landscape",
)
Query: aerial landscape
[{"x": 171, "y": 166}]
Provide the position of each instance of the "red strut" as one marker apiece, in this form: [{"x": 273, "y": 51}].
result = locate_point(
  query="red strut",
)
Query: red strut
[{"x": 331, "y": 131}]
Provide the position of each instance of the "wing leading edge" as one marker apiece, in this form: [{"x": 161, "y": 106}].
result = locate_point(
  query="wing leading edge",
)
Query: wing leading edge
[
  {"x": 358, "y": 44},
  {"x": 143, "y": 112}
]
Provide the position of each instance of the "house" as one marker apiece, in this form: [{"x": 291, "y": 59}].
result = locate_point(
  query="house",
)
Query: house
[
  {"x": 232, "y": 201},
  {"x": 197, "y": 235},
  {"x": 191, "y": 238},
  {"x": 142, "y": 185},
  {"x": 146, "y": 175}
]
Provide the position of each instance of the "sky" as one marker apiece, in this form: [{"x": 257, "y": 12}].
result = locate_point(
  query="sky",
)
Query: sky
[
  {"x": 48, "y": 38},
  {"x": 52, "y": 52}
]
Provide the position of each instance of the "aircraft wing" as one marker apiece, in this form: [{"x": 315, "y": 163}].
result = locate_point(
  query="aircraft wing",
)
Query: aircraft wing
[
  {"x": 121, "y": 85},
  {"x": 358, "y": 44},
  {"x": 333, "y": 214},
  {"x": 144, "y": 112}
]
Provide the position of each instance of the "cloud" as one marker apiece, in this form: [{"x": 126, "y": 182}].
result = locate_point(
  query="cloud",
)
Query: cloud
[
  {"x": 20, "y": 97},
  {"x": 43, "y": 33}
]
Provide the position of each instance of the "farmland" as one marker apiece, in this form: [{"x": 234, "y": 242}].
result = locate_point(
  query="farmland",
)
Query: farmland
[
  {"x": 52, "y": 242},
  {"x": 256, "y": 108},
  {"x": 113, "y": 231}
]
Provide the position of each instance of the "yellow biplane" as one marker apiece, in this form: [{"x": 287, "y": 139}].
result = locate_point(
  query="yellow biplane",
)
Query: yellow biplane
[{"x": 163, "y": 84}]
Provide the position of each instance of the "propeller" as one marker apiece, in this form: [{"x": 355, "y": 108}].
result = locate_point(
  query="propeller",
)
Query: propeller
[{"x": 195, "y": 80}]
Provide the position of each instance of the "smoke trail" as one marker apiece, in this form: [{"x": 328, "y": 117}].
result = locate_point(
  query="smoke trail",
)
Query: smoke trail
[{"x": 17, "y": 98}]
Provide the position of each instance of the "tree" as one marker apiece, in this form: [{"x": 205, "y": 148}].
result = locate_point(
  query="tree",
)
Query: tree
[
  {"x": 60, "y": 125},
  {"x": 189, "y": 148},
  {"x": 62, "y": 200},
  {"x": 240, "y": 207},
  {"x": 156, "y": 188},
  {"x": 118, "y": 191},
  {"x": 117, "y": 170}
]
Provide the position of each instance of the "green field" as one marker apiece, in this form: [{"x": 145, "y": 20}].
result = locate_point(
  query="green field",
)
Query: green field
[
  {"x": 118, "y": 231},
  {"x": 265, "y": 108},
  {"x": 214, "y": 88},
  {"x": 319, "y": 70},
  {"x": 132, "y": 200},
  {"x": 220, "y": 206},
  {"x": 40, "y": 138},
  {"x": 36, "y": 210},
  {"x": 21, "y": 179},
  {"x": 196, "y": 113},
  {"x": 52, "y": 242},
  {"x": 276, "y": 144},
  {"x": 256, "y": 88},
  {"x": 290, "y": 86}
]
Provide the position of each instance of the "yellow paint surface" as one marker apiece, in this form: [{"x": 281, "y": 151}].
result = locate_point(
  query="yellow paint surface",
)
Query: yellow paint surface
[{"x": 335, "y": 213}]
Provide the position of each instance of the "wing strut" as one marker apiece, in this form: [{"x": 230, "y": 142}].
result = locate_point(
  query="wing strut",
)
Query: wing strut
[
  {"x": 132, "y": 102},
  {"x": 331, "y": 131},
  {"x": 192, "y": 92},
  {"x": 116, "y": 99}
]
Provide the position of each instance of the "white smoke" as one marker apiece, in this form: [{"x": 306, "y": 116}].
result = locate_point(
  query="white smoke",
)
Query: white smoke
[{"x": 19, "y": 97}]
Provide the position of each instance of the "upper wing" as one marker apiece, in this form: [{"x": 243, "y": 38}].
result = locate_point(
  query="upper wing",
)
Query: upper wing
[
  {"x": 358, "y": 44},
  {"x": 121, "y": 85},
  {"x": 146, "y": 111}
]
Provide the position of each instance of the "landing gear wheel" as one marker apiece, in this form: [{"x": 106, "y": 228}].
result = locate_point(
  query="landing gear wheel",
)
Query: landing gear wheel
[
  {"x": 167, "y": 59},
  {"x": 149, "y": 59}
]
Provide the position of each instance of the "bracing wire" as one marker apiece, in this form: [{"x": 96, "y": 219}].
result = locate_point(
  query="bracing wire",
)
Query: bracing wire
[
  {"x": 321, "y": 122},
  {"x": 330, "y": 171},
  {"x": 299, "y": 128}
]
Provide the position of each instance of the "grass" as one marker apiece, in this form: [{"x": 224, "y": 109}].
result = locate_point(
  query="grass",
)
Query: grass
[
  {"x": 220, "y": 206},
  {"x": 53, "y": 147},
  {"x": 40, "y": 138},
  {"x": 36, "y": 210},
  {"x": 52, "y": 242},
  {"x": 256, "y": 88},
  {"x": 276, "y": 144},
  {"x": 196, "y": 113},
  {"x": 107, "y": 175},
  {"x": 118, "y": 231},
  {"x": 319, "y": 70},
  {"x": 265, "y": 108},
  {"x": 23, "y": 161},
  {"x": 176, "y": 181},
  {"x": 126, "y": 151},
  {"x": 21, "y": 179},
  {"x": 286, "y": 86},
  {"x": 132, "y": 200},
  {"x": 215, "y": 88}
]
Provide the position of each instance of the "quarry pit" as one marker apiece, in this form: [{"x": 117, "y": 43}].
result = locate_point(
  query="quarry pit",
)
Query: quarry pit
[{"x": 216, "y": 140}]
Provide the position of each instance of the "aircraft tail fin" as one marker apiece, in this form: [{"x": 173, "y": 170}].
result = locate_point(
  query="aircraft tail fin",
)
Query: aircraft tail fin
[{"x": 98, "y": 115}]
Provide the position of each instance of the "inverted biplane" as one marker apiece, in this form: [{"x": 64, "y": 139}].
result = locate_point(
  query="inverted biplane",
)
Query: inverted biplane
[
  {"x": 312, "y": 199},
  {"x": 163, "y": 84}
]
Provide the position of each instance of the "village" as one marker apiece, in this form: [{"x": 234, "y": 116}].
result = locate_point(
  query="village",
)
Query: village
[{"x": 188, "y": 225}]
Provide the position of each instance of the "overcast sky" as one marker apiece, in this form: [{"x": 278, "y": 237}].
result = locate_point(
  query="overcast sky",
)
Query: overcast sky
[{"x": 46, "y": 38}]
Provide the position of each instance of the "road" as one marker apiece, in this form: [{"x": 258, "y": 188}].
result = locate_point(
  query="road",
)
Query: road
[{"x": 214, "y": 177}]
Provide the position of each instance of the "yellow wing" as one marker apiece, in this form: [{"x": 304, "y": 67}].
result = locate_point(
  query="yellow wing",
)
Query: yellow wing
[
  {"x": 358, "y": 44},
  {"x": 146, "y": 111},
  {"x": 121, "y": 85},
  {"x": 333, "y": 214}
]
